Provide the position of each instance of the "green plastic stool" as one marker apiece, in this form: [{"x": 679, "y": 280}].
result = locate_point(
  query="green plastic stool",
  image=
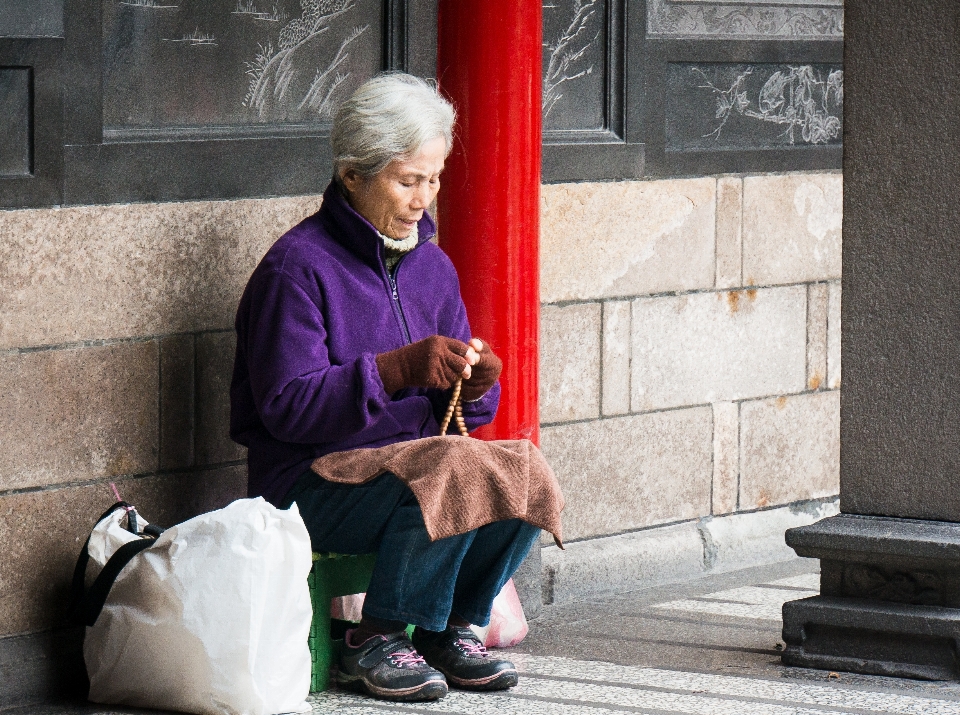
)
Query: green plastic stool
[{"x": 332, "y": 575}]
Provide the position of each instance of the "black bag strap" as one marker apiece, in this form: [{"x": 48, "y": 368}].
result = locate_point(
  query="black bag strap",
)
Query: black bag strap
[{"x": 85, "y": 606}]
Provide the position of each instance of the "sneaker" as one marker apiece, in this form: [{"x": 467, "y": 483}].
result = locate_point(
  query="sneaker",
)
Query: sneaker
[
  {"x": 459, "y": 655},
  {"x": 390, "y": 668}
]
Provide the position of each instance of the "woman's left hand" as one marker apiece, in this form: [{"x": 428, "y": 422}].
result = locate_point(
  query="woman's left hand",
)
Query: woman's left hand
[{"x": 484, "y": 373}]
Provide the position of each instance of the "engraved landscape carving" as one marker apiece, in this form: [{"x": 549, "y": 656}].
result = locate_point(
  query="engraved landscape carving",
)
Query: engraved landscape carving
[
  {"x": 796, "y": 98},
  {"x": 813, "y": 19},
  {"x": 568, "y": 52},
  {"x": 222, "y": 63},
  {"x": 722, "y": 106},
  {"x": 576, "y": 39},
  {"x": 151, "y": 4},
  {"x": 272, "y": 71}
]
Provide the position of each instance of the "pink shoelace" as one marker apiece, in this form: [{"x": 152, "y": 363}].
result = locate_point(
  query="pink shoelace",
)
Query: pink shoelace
[
  {"x": 472, "y": 647},
  {"x": 405, "y": 658}
]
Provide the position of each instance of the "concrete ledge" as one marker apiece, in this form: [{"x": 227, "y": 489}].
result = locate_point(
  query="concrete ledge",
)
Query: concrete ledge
[
  {"x": 672, "y": 554},
  {"x": 739, "y": 541},
  {"x": 600, "y": 567}
]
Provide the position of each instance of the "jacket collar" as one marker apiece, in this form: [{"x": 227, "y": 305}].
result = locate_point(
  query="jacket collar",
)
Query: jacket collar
[{"x": 354, "y": 232}]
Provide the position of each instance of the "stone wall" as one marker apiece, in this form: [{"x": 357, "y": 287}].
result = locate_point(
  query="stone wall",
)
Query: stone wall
[
  {"x": 690, "y": 346},
  {"x": 690, "y": 359},
  {"x": 116, "y": 347}
]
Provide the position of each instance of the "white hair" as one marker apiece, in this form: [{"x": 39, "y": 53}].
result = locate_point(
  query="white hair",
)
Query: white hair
[{"x": 390, "y": 116}]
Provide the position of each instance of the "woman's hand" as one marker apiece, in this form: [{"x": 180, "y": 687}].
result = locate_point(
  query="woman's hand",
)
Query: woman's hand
[
  {"x": 436, "y": 362},
  {"x": 484, "y": 373}
]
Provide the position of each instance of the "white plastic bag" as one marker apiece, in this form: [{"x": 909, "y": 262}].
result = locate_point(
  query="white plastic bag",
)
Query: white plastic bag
[
  {"x": 212, "y": 618},
  {"x": 508, "y": 626}
]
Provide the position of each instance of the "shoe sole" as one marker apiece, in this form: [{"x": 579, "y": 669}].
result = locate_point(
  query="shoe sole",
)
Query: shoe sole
[
  {"x": 431, "y": 690},
  {"x": 498, "y": 681}
]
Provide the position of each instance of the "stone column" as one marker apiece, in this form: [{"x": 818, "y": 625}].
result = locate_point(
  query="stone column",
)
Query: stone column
[{"x": 890, "y": 562}]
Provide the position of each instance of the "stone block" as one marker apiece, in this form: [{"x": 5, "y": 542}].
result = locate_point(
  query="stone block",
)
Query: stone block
[
  {"x": 214, "y": 366},
  {"x": 738, "y": 541},
  {"x": 44, "y": 668},
  {"x": 729, "y": 232},
  {"x": 790, "y": 449},
  {"x": 78, "y": 414},
  {"x": 833, "y": 337},
  {"x": 173, "y": 498},
  {"x": 176, "y": 401},
  {"x": 626, "y": 238},
  {"x": 816, "y": 335},
  {"x": 626, "y": 473},
  {"x": 528, "y": 580},
  {"x": 888, "y": 600},
  {"x": 602, "y": 567},
  {"x": 726, "y": 457},
  {"x": 91, "y": 272},
  {"x": 616, "y": 358},
  {"x": 791, "y": 228},
  {"x": 36, "y": 563},
  {"x": 569, "y": 362},
  {"x": 673, "y": 554},
  {"x": 712, "y": 347}
]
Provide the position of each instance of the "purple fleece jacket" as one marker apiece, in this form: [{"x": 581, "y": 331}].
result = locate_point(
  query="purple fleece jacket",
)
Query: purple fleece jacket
[{"x": 315, "y": 313}]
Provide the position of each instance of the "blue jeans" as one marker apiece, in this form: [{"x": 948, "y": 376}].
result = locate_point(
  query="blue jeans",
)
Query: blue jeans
[{"x": 415, "y": 580}]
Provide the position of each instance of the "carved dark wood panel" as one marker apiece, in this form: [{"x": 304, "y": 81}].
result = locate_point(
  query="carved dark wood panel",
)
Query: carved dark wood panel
[
  {"x": 31, "y": 116},
  {"x": 752, "y": 106},
  {"x": 191, "y": 99},
  {"x": 746, "y": 19},
  {"x": 31, "y": 18},
  {"x": 585, "y": 123},
  {"x": 575, "y": 64},
  {"x": 15, "y": 117},
  {"x": 188, "y": 99},
  {"x": 234, "y": 64}
]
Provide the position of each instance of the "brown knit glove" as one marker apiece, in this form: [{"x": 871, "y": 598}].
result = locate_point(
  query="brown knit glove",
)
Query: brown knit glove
[
  {"x": 483, "y": 375},
  {"x": 436, "y": 361}
]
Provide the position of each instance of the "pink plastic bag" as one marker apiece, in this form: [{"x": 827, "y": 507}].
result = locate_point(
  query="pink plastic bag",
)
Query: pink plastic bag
[
  {"x": 347, "y": 608},
  {"x": 508, "y": 626}
]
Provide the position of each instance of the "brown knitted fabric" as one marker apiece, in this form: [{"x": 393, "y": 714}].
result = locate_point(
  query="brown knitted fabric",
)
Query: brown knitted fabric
[{"x": 461, "y": 483}]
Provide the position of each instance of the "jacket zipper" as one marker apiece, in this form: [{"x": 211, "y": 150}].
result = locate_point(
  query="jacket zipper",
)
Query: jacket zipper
[
  {"x": 396, "y": 297},
  {"x": 392, "y": 275}
]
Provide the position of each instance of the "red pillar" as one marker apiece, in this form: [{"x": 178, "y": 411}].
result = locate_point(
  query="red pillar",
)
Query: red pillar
[{"x": 489, "y": 65}]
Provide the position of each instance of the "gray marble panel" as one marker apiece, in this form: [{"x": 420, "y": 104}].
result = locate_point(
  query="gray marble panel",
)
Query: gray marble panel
[
  {"x": 15, "y": 111},
  {"x": 575, "y": 41},
  {"x": 752, "y": 106},
  {"x": 234, "y": 63},
  {"x": 746, "y": 19}
]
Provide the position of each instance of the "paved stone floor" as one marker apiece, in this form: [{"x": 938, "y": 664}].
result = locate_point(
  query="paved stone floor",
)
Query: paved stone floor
[{"x": 708, "y": 647}]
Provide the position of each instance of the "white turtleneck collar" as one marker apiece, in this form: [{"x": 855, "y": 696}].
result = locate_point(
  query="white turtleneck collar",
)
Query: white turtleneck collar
[{"x": 395, "y": 248}]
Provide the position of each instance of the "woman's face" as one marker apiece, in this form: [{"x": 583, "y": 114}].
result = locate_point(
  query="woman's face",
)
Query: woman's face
[{"x": 395, "y": 199}]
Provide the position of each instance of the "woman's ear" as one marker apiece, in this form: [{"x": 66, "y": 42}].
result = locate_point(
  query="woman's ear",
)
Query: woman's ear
[{"x": 351, "y": 180}]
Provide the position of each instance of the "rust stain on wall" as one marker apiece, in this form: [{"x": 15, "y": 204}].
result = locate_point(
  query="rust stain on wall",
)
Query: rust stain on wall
[{"x": 733, "y": 299}]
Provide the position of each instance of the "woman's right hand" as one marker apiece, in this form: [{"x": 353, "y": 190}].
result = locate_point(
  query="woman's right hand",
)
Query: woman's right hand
[{"x": 436, "y": 362}]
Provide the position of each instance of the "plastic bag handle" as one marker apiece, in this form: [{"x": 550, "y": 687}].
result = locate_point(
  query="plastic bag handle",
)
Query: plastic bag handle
[{"x": 85, "y": 606}]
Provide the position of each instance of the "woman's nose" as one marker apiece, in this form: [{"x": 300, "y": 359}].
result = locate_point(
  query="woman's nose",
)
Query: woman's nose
[{"x": 422, "y": 197}]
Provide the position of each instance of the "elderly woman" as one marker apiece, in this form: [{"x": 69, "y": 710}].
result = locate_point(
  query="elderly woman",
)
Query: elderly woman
[{"x": 351, "y": 333}]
